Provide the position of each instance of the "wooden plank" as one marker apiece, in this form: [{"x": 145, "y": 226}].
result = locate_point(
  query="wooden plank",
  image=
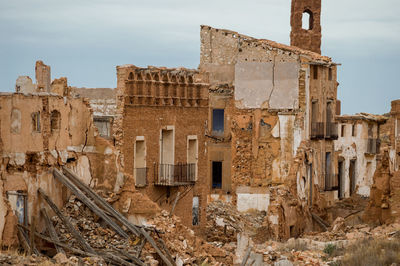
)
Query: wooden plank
[
  {"x": 165, "y": 249},
  {"x": 318, "y": 220},
  {"x": 23, "y": 241},
  {"x": 106, "y": 256},
  {"x": 51, "y": 230},
  {"x": 141, "y": 247},
  {"x": 82, "y": 242},
  {"x": 88, "y": 202},
  {"x": 68, "y": 247},
  {"x": 159, "y": 252},
  {"x": 174, "y": 205},
  {"x": 246, "y": 257},
  {"x": 135, "y": 260},
  {"x": 100, "y": 201},
  {"x": 115, "y": 259},
  {"x": 32, "y": 236}
]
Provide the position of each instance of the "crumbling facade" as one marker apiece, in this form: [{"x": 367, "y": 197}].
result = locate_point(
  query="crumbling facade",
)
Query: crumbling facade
[
  {"x": 358, "y": 148},
  {"x": 164, "y": 114},
  {"x": 282, "y": 107},
  {"x": 384, "y": 205}
]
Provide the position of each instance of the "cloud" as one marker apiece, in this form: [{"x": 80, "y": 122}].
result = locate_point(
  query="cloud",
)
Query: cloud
[{"x": 85, "y": 40}]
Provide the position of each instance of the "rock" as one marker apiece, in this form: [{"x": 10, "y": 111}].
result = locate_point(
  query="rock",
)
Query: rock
[
  {"x": 60, "y": 258},
  {"x": 284, "y": 262}
]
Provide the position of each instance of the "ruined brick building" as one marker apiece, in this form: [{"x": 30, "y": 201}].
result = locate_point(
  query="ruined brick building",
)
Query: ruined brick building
[
  {"x": 255, "y": 125},
  {"x": 256, "y": 114},
  {"x": 358, "y": 148}
]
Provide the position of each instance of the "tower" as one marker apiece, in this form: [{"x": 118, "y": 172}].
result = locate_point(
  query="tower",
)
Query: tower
[{"x": 309, "y": 36}]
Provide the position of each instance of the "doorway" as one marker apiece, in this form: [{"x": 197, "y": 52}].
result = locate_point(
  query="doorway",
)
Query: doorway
[{"x": 216, "y": 174}]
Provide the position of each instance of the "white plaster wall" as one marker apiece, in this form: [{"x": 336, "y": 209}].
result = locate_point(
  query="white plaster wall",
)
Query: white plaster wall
[
  {"x": 248, "y": 201},
  {"x": 267, "y": 84},
  {"x": 286, "y": 125},
  {"x": 83, "y": 170},
  {"x": 351, "y": 148}
]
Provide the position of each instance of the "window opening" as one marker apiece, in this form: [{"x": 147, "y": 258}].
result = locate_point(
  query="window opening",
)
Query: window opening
[{"x": 216, "y": 174}]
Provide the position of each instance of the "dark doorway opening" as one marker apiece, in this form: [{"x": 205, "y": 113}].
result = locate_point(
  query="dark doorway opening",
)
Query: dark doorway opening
[
  {"x": 216, "y": 174},
  {"x": 352, "y": 173},
  {"x": 340, "y": 180}
]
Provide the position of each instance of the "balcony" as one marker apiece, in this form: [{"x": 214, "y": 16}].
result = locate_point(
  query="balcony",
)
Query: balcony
[
  {"x": 373, "y": 146},
  {"x": 141, "y": 177},
  {"x": 331, "y": 131},
  {"x": 174, "y": 175},
  {"x": 331, "y": 182},
  {"x": 317, "y": 130}
]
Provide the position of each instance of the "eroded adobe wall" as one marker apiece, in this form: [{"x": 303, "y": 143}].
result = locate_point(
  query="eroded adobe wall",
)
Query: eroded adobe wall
[
  {"x": 30, "y": 152},
  {"x": 43, "y": 76},
  {"x": 156, "y": 99}
]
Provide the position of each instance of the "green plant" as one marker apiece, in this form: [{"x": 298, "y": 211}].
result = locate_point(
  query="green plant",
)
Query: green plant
[{"x": 329, "y": 249}]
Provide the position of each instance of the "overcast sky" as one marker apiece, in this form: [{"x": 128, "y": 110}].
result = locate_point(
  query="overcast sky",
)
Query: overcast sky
[{"x": 85, "y": 39}]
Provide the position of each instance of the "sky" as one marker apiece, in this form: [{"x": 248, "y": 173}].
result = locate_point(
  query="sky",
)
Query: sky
[{"x": 85, "y": 40}]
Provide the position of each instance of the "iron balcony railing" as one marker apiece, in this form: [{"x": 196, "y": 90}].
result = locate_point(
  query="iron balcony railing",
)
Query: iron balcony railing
[
  {"x": 331, "y": 130},
  {"x": 174, "y": 174},
  {"x": 317, "y": 130},
  {"x": 331, "y": 182},
  {"x": 373, "y": 146},
  {"x": 141, "y": 177}
]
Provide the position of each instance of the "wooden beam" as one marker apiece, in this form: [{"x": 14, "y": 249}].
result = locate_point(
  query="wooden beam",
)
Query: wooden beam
[
  {"x": 159, "y": 252},
  {"x": 51, "y": 230},
  {"x": 88, "y": 202},
  {"x": 82, "y": 242},
  {"x": 48, "y": 239},
  {"x": 174, "y": 205},
  {"x": 135, "y": 260},
  {"x": 246, "y": 257},
  {"x": 100, "y": 201}
]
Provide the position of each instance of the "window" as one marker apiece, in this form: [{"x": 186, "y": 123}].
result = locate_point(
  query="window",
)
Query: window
[
  {"x": 216, "y": 174},
  {"x": 55, "y": 120},
  {"x": 314, "y": 111},
  {"x": 36, "y": 122},
  {"x": 315, "y": 71},
  {"x": 329, "y": 115},
  {"x": 343, "y": 128},
  {"x": 307, "y": 20},
  {"x": 328, "y": 172},
  {"x": 329, "y": 73},
  {"x": 103, "y": 125},
  {"x": 196, "y": 211},
  {"x": 353, "y": 130},
  {"x": 218, "y": 122},
  {"x": 15, "y": 121},
  {"x": 140, "y": 170},
  {"x": 167, "y": 146},
  {"x": 192, "y": 156}
]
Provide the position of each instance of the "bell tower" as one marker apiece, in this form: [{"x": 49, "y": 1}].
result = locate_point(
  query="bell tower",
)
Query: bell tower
[{"x": 305, "y": 21}]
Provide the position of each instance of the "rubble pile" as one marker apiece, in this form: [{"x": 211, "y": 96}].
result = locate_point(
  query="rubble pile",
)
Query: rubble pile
[
  {"x": 185, "y": 246},
  {"x": 342, "y": 232},
  {"x": 21, "y": 259},
  {"x": 224, "y": 222},
  {"x": 90, "y": 227}
]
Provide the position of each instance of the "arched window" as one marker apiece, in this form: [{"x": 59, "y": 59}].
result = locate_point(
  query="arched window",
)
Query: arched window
[
  {"x": 55, "y": 120},
  {"x": 15, "y": 121},
  {"x": 307, "y": 20},
  {"x": 130, "y": 77}
]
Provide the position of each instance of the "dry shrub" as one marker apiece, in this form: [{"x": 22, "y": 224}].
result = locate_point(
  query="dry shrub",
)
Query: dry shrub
[{"x": 373, "y": 252}]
